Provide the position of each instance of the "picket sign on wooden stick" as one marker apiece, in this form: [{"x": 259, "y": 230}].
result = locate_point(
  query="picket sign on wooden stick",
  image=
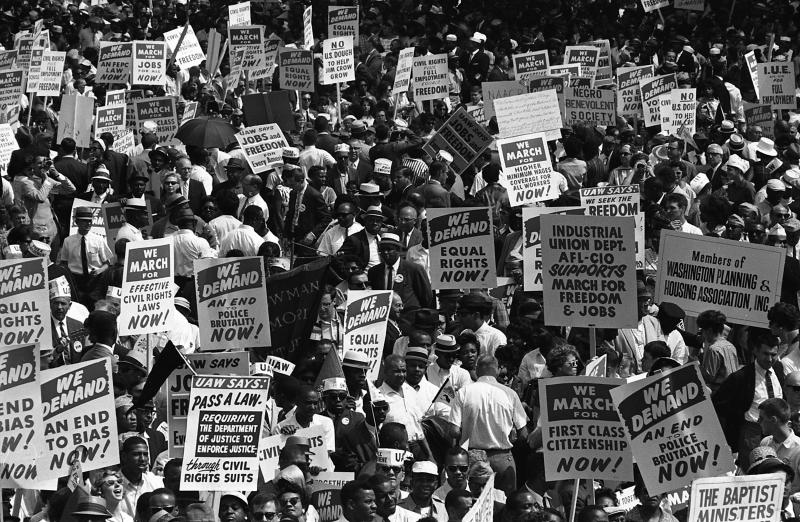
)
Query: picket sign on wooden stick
[{"x": 178, "y": 46}]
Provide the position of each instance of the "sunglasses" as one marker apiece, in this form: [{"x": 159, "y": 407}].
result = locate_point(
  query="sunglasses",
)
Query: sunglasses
[
  {"x": 394, "y": 469},
  {"x": 112, "y": 482},
  {"x": 462, "y": 469},
  {"x": 156, "y": 509},
  {"x": 290, "y": 501},
  {"x": 336, "y": 396}
]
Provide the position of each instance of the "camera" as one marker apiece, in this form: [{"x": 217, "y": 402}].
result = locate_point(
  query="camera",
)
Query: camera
[{"x": 47, "y": 164}]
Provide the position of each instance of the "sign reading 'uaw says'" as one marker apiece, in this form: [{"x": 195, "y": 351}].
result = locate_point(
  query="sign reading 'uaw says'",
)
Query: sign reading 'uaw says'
[{"x": 462, "y": 248}]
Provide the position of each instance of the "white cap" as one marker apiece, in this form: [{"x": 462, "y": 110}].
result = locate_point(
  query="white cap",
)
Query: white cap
[
  {"x": 114, "y": 294},
  {"x": 451, "y": 38},
  {"x": 355, "y": 359},
  {"x": 391, "y": 457},
  {"x": 738, "y": 163},
  {"x": 342, "y": 147},
  {"x": 334, "y": 384},
  {"x": 478, "y": 37},
  {"x": 149, "y": 126},
  {"x": 291, "y": 152},
  {"x": 425, "y": 466},
  {"x": 59, "y": 287},
  {"x": 38, "y": 249},
  {"x": 12, "y": 252},
  {"x": 382, "y": 166},
  {"x": 445, "y": 156},
  {"x": 699, "y": 182},
  {"x": 135, "y": 203}
]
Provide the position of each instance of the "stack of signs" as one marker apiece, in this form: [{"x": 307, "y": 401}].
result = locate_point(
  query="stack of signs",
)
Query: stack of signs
[
  {"x": 629, "y": 96},
  {"x": 343, "y": 21},
  {"x": 232, "y": 303},
  {"x": 365, "y": 320},
  {"x": 527, "y": 169},
  {"x": 760, "y": 115},
  {"x": 532, "y": 242},
  {"x": 462, "y": 137},
  {"x": 149, "y": 63},
  {"x": 402, "y": 77},
  {"x": 582, "y": 434},
  {"x": 147, "y": 294},
  {"x": 21, "y": 404},
  {"x": 587, "y": 56},
  {"x": 589, "y": 271},
  {"x": 110, "y": 118},
  {"x": 430, "y": 77},
  {"x": 51, "y": 70},
  {"x": 223, "y": 433},
  {"x": 530, "y": 65},
  {"x": 338, "y": 60},
  {"x": 131, "y": 95},
  {"x": 296, "y": 69},
  {"x": 755, "y": 497},
  {"x": 651, "y": 90},
  {"x": 79, "y": 418},
  {"x": 461, "y": 248},
  {"x": 617, "y": 201},
  {"x": 190, "y": 53},
  {"x": 250, "y": 42},
  {"x": 742, "y": 280},
  {"x": 163, "y": 112},
  {"x": 528, "y": 114},
  {"x": 24, "y": 298},
  {"x": 179, "y": 385},
  {"x": 239, "y": 14},
  {"x": 594, "y": 106},
  {"x": 776, "y": 85},
  {"x": 262, "y": 145},
  {"x": 673, "y": 429},
  {"x": 75, "y": 119},
  {"x": 114, "y": 64},
  {"x": 10, "y": 91}
]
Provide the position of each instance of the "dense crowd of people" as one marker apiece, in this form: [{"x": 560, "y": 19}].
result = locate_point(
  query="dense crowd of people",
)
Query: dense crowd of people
[{"x": 354, "y": 185}]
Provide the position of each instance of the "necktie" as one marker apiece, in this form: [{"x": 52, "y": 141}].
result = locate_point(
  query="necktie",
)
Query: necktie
[
  {"x": 404, "y": 239},
  {"x": 246, "y": 204},
  {"x": 84, "y": 257},
  {"x": 768, "y": 382},
  {"x": 389, "y": 278},
  {"x": 63, "y": 331}
]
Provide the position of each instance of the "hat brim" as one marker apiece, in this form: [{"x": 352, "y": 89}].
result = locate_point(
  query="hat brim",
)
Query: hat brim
[{"x": 769, "y": 465}]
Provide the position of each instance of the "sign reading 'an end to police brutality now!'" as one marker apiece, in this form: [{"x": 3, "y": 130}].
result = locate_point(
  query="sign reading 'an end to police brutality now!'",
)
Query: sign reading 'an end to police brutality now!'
[
  {"x": 589, "y": 271},
  {"x": 462, "y": 248},
  {"x": 742, "y": 280},
  {"x": 365, "y": 320},
  {"x": 147, "y": 295},
  {"x": 527, "y": 169},
  {"x": 581, "y": 431}
]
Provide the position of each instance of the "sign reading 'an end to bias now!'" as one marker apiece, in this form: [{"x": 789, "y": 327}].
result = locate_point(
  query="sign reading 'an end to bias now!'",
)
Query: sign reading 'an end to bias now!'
[{"x": 462, "y": 248}]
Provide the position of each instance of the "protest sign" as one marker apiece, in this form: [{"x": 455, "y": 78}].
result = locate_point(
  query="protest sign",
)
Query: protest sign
[
  {"x": 742, "y": 280},
  {"x": 402, "y": 77},
  {"x": 593, "y": 106},
  {"x": 343, "y": 21},
  {"x": 239, "y": 14},
  {"x": 755, "y": 497},
  {"x": 565, "y": 70},
  {"x": 335, "y": 478},
  {"x": 365, "y": 319},
  {"x": 51, "y": 70},
  {"x": 249, "y": 40},
  {"x": 477, "y": 113},
  {"x": 683, "y": 111},
  {"x": 690, "y": 5},
  {"x": 589, "y": 271},
  {"x": 528, "y": 114},
  {"x": 24, "y": 48},
  {"x": 580, "y": 82},
  {"x": 502, "y": 89},
  {"x": 629, "y": 96},
  {"x": 163, "y": 112},
  {"x": 672, "y": 428},
  {"x": 296, "y": 69},
  {"x": 430, "y": 79},
  {"x": 268, "y": 454},
  {"x": 597, "y": 366},
  {"x": 8, "y": 144},
  {"x": 33, "y": 72},
  {"x": 530, "y": 65},
  {"x": 98, "y": 225},
  {"x": 651, "y": 89},
  {"x": 75, "y": 119},
  {"x": 8, "y": 59},
  {"x": 587, "y": 56},
  {"x": 278, "y": 365},
  {"x": 147, "y": 295},
  {"x": 24, "y": 299},
  {"x": 10, "y": 92},
  {"x": 223, "y": 432},
  {"x": 760, "y": 115},
  {"x": 318, "y": 452},
  {"x": 752, "y": 67},
  {"x": 483, "y": 508},
  {"x": 114, "y": 219},
  {"x": 21, "y": 404},
  {"x": 581, "y": 431},
  {"x": 546, "y": 83},
  {"x": 527, "y": 171},
  {"x": 149, "y": 63},
  {"x": 262, "y": 145},
  {"x": 618, "y": 201},
  {"x": 604, "y": 74},
  {"x": 532, "y": 242},
  {"x": 131, "y": 95},
  {"x": 231, "y": 303},
  {"x": 115, "y": 62},
  {"x": 79, "y": 418},
  {"x": 189, "y": 112},
  {"x": 327, "y": 500},
  {"x": 338, "y": 60},
  {"x": 653, "y": 5},
  {"x": 179, "y": 384},
  {"x": 293, "y": 306},
  {"x": 110, "y": 119},
  {"x": 776, "y": 85},
  {"x": 190, "y": 53},
  {"x": 124, "y": 142},
  {"x": 308, "y": 29},
  {"x": 462, "y": 137},
  {"x": 461, "y": 248}
]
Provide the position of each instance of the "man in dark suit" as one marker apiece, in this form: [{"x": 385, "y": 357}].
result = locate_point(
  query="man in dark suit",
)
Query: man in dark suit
[
  {"x": 102, "y": 328},
  {"x": 738, "y": 397},
  {"x": 475, "y": 64},
  {"x": 325, "y": 141},
  {"x": 138, "y": 185},
  {"x": 101, "y": 191},
  {"x": 116, "y": 162},
  {"x": 349, "y": 168},
  {"x": 408, "y": 280},
  {"x": 67, "y": 333},
  {"x": 407, "y": 229},
  {"x": 191, "y": 189},
  {"x": 307, "y": 215},
  {"x": 77, "y": 172},
  {"x": 364, "y": 244}
]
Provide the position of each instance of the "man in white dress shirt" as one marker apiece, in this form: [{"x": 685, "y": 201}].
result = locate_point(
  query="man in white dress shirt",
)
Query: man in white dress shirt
[
  {"x": 333, "y": 238},
  {"x": 245, "y": 238}
]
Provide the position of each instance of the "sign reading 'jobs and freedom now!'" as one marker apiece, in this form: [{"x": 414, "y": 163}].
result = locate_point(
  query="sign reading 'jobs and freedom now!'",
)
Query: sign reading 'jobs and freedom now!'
[
  {"x": 581, "y": 431},
  {"x": 673, "y": 429},
  {"x": 365, "y": 320},
  {"x": 698, "y": 273},
  {"x": 461, "y": 248},
  {"x": 527, "y": 169},
  {"x": 147, "y": 295},
  {"x": 589, "y": 271}
]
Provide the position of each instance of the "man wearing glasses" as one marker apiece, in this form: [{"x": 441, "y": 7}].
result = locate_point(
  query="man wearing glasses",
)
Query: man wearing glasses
[
  {"x": 263, "y": 507},
  {"x": 333, "y": 238},
  {"x": 456, "y": 464},
  {"x": 354, "y": 443}
]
